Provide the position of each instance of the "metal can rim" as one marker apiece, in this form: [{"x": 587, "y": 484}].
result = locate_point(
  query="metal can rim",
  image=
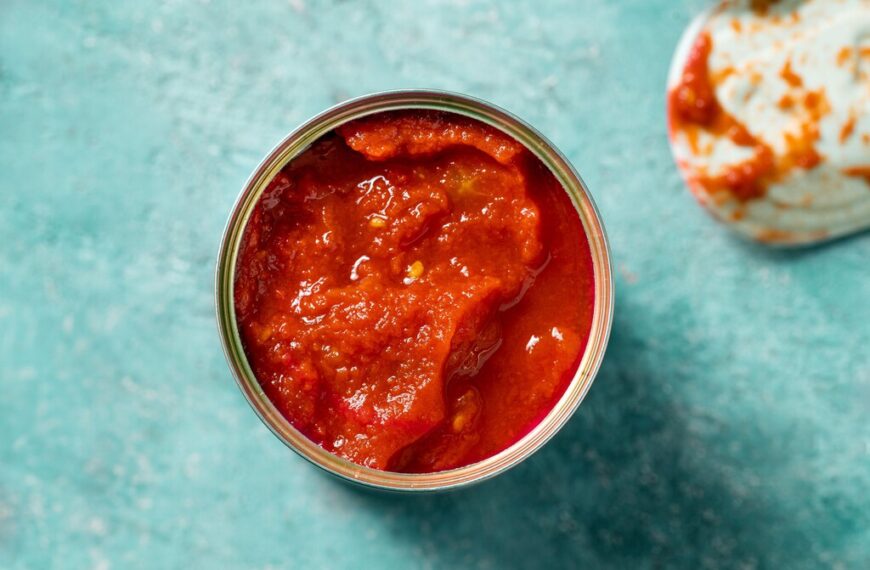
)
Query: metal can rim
[{"x": 299, "y": 140}]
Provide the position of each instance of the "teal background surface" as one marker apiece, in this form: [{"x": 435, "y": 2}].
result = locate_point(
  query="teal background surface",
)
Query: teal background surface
[{"x": 728, "y": 427}]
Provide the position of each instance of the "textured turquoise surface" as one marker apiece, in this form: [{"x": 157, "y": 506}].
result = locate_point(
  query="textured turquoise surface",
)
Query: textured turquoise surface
[{"x": 729, "y": 425}]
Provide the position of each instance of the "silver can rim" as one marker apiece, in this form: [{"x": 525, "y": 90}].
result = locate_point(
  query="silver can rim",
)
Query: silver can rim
[{"x": 299, "y": 140}]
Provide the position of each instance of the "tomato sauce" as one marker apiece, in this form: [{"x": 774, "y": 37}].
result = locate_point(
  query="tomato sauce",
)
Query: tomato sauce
[
  {"x": 415, "y": 291},
  {"x": 693, "y": 107}
]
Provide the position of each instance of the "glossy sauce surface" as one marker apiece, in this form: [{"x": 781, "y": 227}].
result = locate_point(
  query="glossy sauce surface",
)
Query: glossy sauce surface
[{"x": 415, "y": 291}]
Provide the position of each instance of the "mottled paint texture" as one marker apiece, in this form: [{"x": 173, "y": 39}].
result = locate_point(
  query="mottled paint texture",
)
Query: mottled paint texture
[{"x": 729, "y": 424}]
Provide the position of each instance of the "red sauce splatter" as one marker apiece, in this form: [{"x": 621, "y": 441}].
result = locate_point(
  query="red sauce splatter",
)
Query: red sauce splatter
[
  {"x": 415, "y": 291},
  {"x": 789, "y": 76},
  {"x": 786, "y": 237},
  {"x": 694, "y": 99},
  {"x": 762, "y": 7},
  {"x": 858, "y": 172},
  {"x": 745, "y": 180},
  {"x": 694, "y": 108},
  {"x": 844, "y": 55},
  {"x": 800, "y": 147},
  {"x": 848, "y": 129}
]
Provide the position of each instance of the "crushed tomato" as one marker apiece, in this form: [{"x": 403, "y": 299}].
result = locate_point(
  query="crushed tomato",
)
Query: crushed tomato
[{"x": 415, "y": 291}]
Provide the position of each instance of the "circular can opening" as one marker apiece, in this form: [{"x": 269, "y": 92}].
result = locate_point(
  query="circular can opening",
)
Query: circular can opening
[{"x": 298, "y": 142}]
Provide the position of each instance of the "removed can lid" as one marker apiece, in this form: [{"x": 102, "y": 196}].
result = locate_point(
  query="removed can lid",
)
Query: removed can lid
[{"x": 769, "y": 117}]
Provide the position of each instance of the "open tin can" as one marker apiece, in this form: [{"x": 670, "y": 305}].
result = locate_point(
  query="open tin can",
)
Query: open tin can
[{"x": 297, "y": 142}]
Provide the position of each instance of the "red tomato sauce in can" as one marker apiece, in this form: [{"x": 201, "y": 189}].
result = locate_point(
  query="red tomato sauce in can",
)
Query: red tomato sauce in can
[{"x": 415, "y": 291}]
